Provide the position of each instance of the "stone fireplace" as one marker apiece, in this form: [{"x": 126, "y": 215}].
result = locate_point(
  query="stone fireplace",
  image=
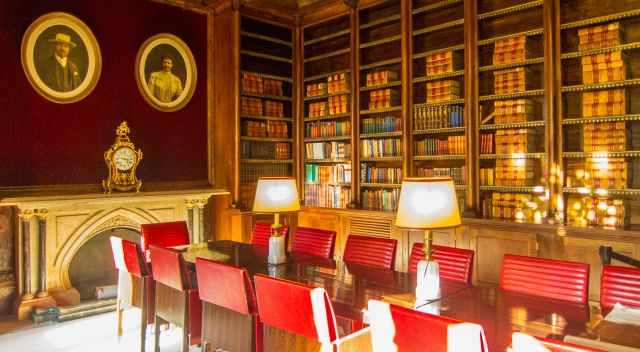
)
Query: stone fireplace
[{"x": 54, "y": 232}]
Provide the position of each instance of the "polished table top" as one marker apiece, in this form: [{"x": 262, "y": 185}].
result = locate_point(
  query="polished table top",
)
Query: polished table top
[{"x": 349, "y": 286}]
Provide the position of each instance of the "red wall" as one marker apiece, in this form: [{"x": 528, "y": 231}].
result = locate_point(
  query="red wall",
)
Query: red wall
[{"x": 43, "y": 143}]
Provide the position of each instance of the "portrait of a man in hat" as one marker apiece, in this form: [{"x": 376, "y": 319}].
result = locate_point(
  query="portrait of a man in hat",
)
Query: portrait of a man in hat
[{"x": 58, "y": 71}]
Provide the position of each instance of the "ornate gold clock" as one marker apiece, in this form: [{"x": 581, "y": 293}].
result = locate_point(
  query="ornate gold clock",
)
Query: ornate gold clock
[{"x": 122, "y": 160}]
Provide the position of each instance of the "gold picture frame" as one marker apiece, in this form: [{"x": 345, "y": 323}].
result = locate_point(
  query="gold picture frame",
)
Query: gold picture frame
[
  {"x": 61, "y": 57},
  {"x": 166, "y": 72}
]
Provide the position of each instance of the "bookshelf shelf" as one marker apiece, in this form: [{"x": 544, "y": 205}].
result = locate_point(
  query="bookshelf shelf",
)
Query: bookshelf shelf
[
  {"x": 327, "y": 139},
  {"x": 437, "y": 51},
  {"x": 325, "y": 96},
  {"x": 511, "y": 189},
  {"x": 268, "y": 118},
  {"x": 266, "y": 56},
  {"x": 510, "y": 10},
  {"x": 266, "y": 96},
  {"x": 266, "y": 139},
  {"x": 380, "y": 64},
  {"x": 338, "y": 184},
  {"x": 264, "y": 75},
  {"x": 597, "y": 86},
  {"x": 383, "y": 158},
  {"x": 380, "y": 41},
  {"x": 380, "y": 135},
  {"x": 327, "y": 161},
  {"x": 622, "y": 47},
  {"x": 583, "y": 120},
  {"x": 535, "y": 61},
  {"x": 378, "y": 111},
  {"x": 438, "y": 77},
  {"x": 438, "y": 27},
  {"x": 435, "y": 6},
  {"x": 529, "y": 93},
  {"x": 266, "y": 38},
  {"x": 380, "y": 185},
  {"x": 328, "y": 55},
  {"x": 266, "y": 161},
  {"x": 438, "y": 131},
  {"x": 512, "y": 156},
  {"x": 531, "y": 33},
  {"x": 327, "y": 37},
  {"x": 505, "y": 126},
  {"x": 325, "y": 75},
  {"x": 602, "y": 191},
  {"x": 602, "y": 19},
  {"x": 441, "y": 103},
  {"x": 381, "y": 86},
  {"x": 327, "y": 117},
  {"x": 380, "y": 21},
  {"x": 625, "y": 154},
  {"x": 438, "y": 157}
]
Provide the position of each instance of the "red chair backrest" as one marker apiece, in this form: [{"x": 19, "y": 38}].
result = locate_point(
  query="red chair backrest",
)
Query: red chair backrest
[
  {"x": 455, "y": 263},
  {"x": 164, "y": 234},
  {"x": 370, "y": 251},
  {"x": 548, "y": 278},
  {"x": 295, "y": 308},
  {"x": 313, "y": 242},
  {"x": 262, "y": 232},
  {"x": 413, "y": 331},
  {"x": 127, "y": 256},
  {"x": 168, "y": 268},
  {"x": 225, "y": 286},
  {"x": 619, "y": 285}
]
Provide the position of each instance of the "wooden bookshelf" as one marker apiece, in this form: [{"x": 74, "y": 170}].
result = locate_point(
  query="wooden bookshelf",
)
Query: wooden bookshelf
[
  {"x": 267, "y": 115},
  {"x": 327, "y": 107},
  {"x": 600, "y": 187}
]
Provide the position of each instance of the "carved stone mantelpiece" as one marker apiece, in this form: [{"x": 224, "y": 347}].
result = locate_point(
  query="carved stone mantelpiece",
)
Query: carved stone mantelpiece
[{"x": 54, "y": 227}]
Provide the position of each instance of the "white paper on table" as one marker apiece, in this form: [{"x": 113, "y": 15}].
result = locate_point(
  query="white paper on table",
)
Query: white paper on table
[{"x": 624, "y": 315}]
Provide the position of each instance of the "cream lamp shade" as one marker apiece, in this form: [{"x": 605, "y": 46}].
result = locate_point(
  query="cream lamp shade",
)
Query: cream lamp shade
[
  {"x": 276, "y": 195},
  {"x": 428, "y": 203}
]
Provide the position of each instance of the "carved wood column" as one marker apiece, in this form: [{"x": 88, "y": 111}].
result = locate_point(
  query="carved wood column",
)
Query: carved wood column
[
  {"x": 200, "y": 204},
  {"x": 190, "y": 204},
  {"x": 42, "y": 262},
  {"x": 25, "y": 267},
  {"x": 471, "y": 109}
]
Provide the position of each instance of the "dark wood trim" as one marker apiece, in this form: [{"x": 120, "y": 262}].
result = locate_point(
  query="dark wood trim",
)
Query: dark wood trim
[
  {"x": 471, "y": 107},
  {"x": 555, "y": 124},
  {"x": 406, "y": 45},
  {"x": 323, "y": 12},
  {"x": 354, "y": 14},
  {"x": 276, "y": 17},
  {"x": 298, "y": 109}
]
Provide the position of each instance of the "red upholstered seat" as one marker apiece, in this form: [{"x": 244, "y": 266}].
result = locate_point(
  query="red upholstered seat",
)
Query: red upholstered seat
[
  {"x": 412, "y": 331},
  {"x": 370, "y": 251},
  {"x": 296, "y": 308},
  {"x": 619, "y": 285},
  {"x": 548, "y": 278},
  {"x": 262, "y": 232},
  {"x": 170, "y": 273},
  {"x": 313, "y": 242},
  {"x": 455, "y": 263},
  {"x": 165, "y": 234}
]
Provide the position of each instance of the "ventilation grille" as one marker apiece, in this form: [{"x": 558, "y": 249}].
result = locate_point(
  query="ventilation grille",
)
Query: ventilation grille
[{"x": 371, "y": 227}]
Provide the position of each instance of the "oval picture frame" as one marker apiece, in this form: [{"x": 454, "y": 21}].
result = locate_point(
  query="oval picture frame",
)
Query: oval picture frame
[
  {"x": 43, "y": 66},
  {"x": 166, "y": 90}
]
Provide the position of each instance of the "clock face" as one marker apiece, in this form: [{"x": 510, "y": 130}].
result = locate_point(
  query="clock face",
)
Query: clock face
[{"x": 124, "y": 158}]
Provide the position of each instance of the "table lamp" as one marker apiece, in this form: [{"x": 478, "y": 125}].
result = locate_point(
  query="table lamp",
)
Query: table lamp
[
  {"x": 276, "y": 195},
  {"x": 428, "y": 203}
]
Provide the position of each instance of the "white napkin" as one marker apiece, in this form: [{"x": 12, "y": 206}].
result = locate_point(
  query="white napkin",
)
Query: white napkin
[
  {"x": 526, "y": 343},
  {"x": 624, "y": 315},
  {"x": 466, "y": 337}
]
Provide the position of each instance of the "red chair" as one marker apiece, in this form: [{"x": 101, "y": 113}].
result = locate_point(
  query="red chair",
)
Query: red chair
[
  {"x": 228, "y": 287},
  {"x": 164, "y": 234},
  {"x": 456, "y": 264},
  {"x": 177, "y": 300},
  {"x": 370, "y": 251},
  {"x": 619, "y": 285},
  {"x": 262, "y": 232},
  {"x": 313, "y": 242},
  {"x": 128, "y": 259},
  {"x": 296, "y": 308},
  {"x": 548, "y": 278},
  {"x": 409, "y": 330}
]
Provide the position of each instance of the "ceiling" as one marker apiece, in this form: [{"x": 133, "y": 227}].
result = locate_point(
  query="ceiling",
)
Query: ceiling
[{"x": 286, "y": 5}]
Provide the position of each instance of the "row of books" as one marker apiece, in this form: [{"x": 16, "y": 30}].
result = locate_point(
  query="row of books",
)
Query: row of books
[
  {"x": 250, "y": 173},
  {"x": 510, "y": 81},
  {"x": 316, "y": 89},
  {"x": 371, "y": 174},
  {"x": 610, "y": 102},
  {"x": 513, "y": 206},
  {"x": 598, "y": 173},
  {"x": 380, "y": 77},
  {"x": 319, "y": 129},
  {"x": 515, "y": 140},
  {"x": 247, "y": 195},
  {"x": 443, "y": 90},
  {"x": 338, "y": 104},
  {"x": 273, "y": 108},
  {"x": 256, "y": 84},
  {"x": 338, "y": 83},
  {"x": 605, "y": 137},
  {"x": 383, "y": 98},
  {"x": 458, "y": 174},
  {"x": 602, "y": 68},
  {"x": 511, "y": 50},
  {"x": 584, "y": 211},
  {"x": 486, "y": 143},
  {"x": 326, "y": 196},
  {"x": 452, "y": 145},
  {"x": 374, "y": 148},
  {"x": 327, "y": 150},
  {"x": 258, "y": 107},
  {"x": 430, "y": 117},
  {"x": 597, "y": 37},
  {"x": 271, "y": 129},
  {"x": 381, "y": 124},
  {"x": 442, "y": 62},
  {"x": 334, "y": 174},
  {"x": 513, "y": 111},
  {"x": 265, "y": 150},
  {"x": 514, "y": 173},
  {"x": 380, "y": 199}
]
